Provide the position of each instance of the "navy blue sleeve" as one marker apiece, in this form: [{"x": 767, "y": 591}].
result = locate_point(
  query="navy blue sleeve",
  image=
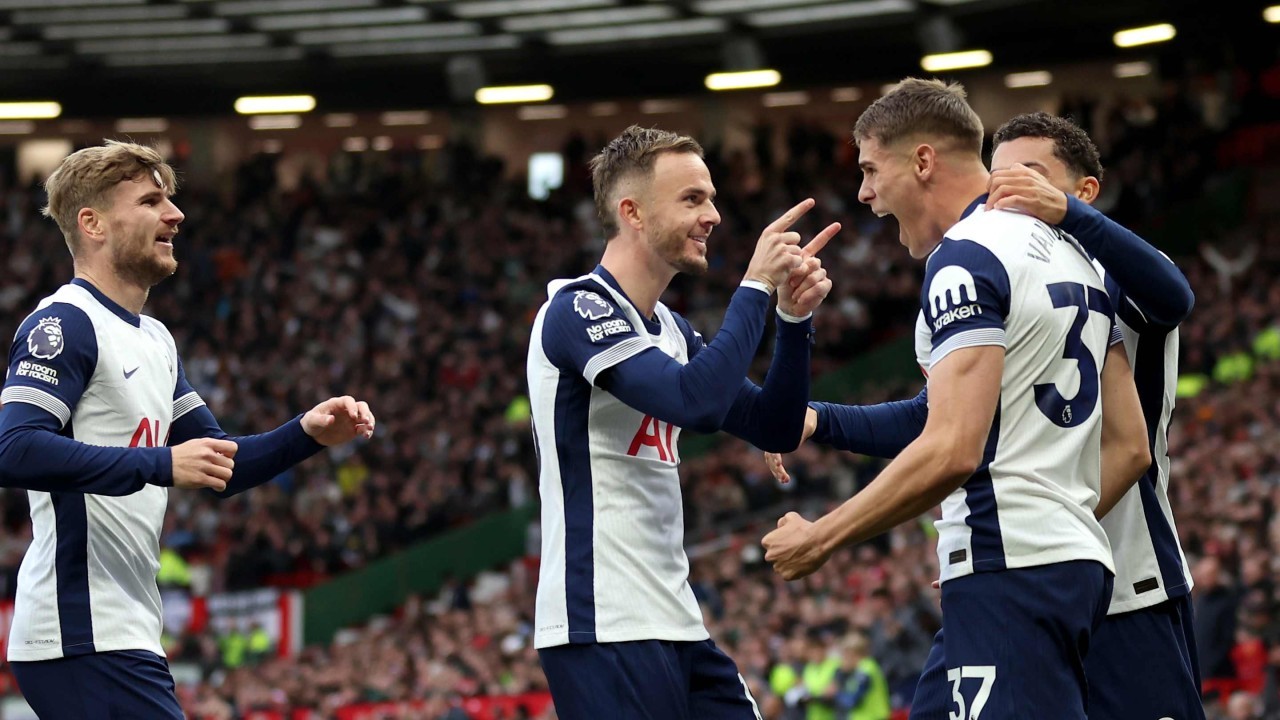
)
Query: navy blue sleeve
[
  {"x": 965, "y": 298},
  {"x": 695, "y": 396},
  {"x": 53, "y": 356},
  {"x": 881, "y": 430},
  {"x": 259, "y": 458},
  {"x": 1150, "y": 280},
  {"x": 771, "y": 417},
  {"x": 33, "y": 456}
]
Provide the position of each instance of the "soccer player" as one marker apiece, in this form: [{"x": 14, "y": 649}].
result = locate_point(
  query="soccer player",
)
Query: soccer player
[
  {"x": 98, "y": 422},
  {"x": 1142, "y": 661},
  {"x": 614, "y": 375},
  {"x": 1018, "y": 324}
]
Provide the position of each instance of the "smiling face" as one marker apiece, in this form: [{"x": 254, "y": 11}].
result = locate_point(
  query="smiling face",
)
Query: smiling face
[
  {"x": 680, "y": 212},
  {"x": 140, "y": 224}
]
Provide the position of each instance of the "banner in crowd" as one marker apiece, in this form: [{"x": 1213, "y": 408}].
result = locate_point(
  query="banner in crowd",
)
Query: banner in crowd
[{"x": 277, "y": 612}]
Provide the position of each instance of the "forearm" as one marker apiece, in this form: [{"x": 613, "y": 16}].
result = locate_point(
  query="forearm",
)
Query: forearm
[
  {"x": 1121, "y": 469},
  {"x": 259, "y": 458},
  {"x": 771, "y": 417},
  {"x": 918, "y": 479},
  {"x": 36, "y": 459},
  {"x": 696, "y": 395},
  {"x": 1149, "y": 278},
  {"x": 882, "y": 430}
]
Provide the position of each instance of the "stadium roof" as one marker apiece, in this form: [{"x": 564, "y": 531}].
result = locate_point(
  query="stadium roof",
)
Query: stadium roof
[{"x": 176, "y": 57}]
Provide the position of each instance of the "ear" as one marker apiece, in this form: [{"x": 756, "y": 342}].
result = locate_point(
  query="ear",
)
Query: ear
[
  {"x": 924, "y": 160},
  {"x": 91, "y": 223},
  {"x": 630, "y": 213},
  {"x": 1087, "y": 189}
]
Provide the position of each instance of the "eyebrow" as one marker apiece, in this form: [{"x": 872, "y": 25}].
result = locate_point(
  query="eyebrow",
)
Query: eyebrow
[{"x": 697, "y": 191}]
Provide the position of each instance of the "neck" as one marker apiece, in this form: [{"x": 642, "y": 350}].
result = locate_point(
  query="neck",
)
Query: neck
[
  {"x": 641, "y": 275},
  {"x": 127, "y": 295},
  {"x": 955, "y": 190}
]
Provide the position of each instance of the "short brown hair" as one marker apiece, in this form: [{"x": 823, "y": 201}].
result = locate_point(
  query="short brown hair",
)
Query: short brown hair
[
  {"x": 86, "y": 176},
  {"x": 1071, "y": 144},
  {"x": 926, "y": 107},
  {"x": 631, "y": 154}
]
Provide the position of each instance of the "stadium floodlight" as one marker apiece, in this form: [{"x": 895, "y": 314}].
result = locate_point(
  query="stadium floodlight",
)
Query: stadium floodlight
[
  {"x": 1272, "y": 14},
  {"x": 334, "y": 120},
  {"x": 37, "y": 110},
  {"x": 1144, "y": 35},
  {"x": 514, "y": 94},
  {"x": 942, "y": 62},
  {"x": 268, "y": 104},
  {"x": 743, "y": 79},
  {"x": 812, "y": 14},
  {"x": 1031, "y": 78}
]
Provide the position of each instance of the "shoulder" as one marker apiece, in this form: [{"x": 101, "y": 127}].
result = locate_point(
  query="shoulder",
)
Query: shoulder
[
  {"x": 54, "y": 325},
  {"x": 586, "y": 297}
]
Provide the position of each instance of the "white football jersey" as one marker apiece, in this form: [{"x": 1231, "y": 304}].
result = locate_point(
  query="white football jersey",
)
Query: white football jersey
[
  {"x": 1150, "y": 564},
  {"x": 88, "y": 582},
  {"x": 1002, "y": 278},
  {"x": 613, "y": 562}
]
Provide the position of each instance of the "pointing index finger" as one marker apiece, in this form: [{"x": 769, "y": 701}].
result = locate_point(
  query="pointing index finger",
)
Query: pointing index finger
[
  {"x": 789, "y": 217},
  {"x": 820, "y": 240}
]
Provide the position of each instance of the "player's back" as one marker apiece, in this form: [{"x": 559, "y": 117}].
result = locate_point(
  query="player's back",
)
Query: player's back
[
  {"x": 613, "y": 562},
  {"x": 87, "y": 583},
  {"x": 1150, "y": 564},
  {"x": 1006, "y": 279}
]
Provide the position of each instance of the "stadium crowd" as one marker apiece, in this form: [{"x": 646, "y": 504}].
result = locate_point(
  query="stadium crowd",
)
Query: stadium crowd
[{"x": 411, "y": 279}]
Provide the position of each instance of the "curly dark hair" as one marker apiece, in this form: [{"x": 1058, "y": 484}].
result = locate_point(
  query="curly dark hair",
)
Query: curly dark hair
[{"x": 1071, "y": 144}]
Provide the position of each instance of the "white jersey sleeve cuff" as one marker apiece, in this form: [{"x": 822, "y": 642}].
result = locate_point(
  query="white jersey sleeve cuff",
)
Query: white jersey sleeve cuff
[
  {"x": 757, "y": 285},
  {"x": 186, "y": 404},
  {"x": 40, "y": 399},
  {"x": 788, "y": 317},
  {"x": 614, "y": 355},
  {"x": 969, "y": 338}
]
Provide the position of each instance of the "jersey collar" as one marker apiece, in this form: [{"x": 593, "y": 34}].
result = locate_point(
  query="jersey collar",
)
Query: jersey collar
[
  {"x": 653, "y": 326},
  {"x": 108, "y": 303},
  {"x": 982, "y": 199}
]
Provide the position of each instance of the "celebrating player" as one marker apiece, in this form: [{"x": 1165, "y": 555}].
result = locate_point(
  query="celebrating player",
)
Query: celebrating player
[
  {"x": 1017, "y": 328},
  {"x": 1142, "y": 661},
  {"x": 98, "y": 422},
  {"x": 614, "y": 375}
]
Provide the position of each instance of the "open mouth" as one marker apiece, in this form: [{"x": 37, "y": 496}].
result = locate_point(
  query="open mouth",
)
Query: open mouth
[{"x": 165, "y": 239}]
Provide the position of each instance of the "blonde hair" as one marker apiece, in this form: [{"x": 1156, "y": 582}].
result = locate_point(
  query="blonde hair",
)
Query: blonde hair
[
  {"x": 931, "y": 108},
  {"x": 86, "y": 178},
  {"x": 631, "y": 154}
]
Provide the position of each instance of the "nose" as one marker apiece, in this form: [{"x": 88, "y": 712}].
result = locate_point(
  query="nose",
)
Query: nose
[
  {"x": 711, "y": 217},
  {"x": 865, "y": 192},
  {"x": 173, "y": 215}
]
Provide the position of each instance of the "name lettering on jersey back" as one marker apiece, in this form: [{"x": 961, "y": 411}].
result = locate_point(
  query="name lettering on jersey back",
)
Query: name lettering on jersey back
[
  {"x": 616, "y": 326},
  {"x": 655, "y": 434},
  {"x": 1042, "y": 239},
  {"x": 35, "y": 371},
  {"x": 953, "y": 295},
  {"x": 147, "y": 434}
]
